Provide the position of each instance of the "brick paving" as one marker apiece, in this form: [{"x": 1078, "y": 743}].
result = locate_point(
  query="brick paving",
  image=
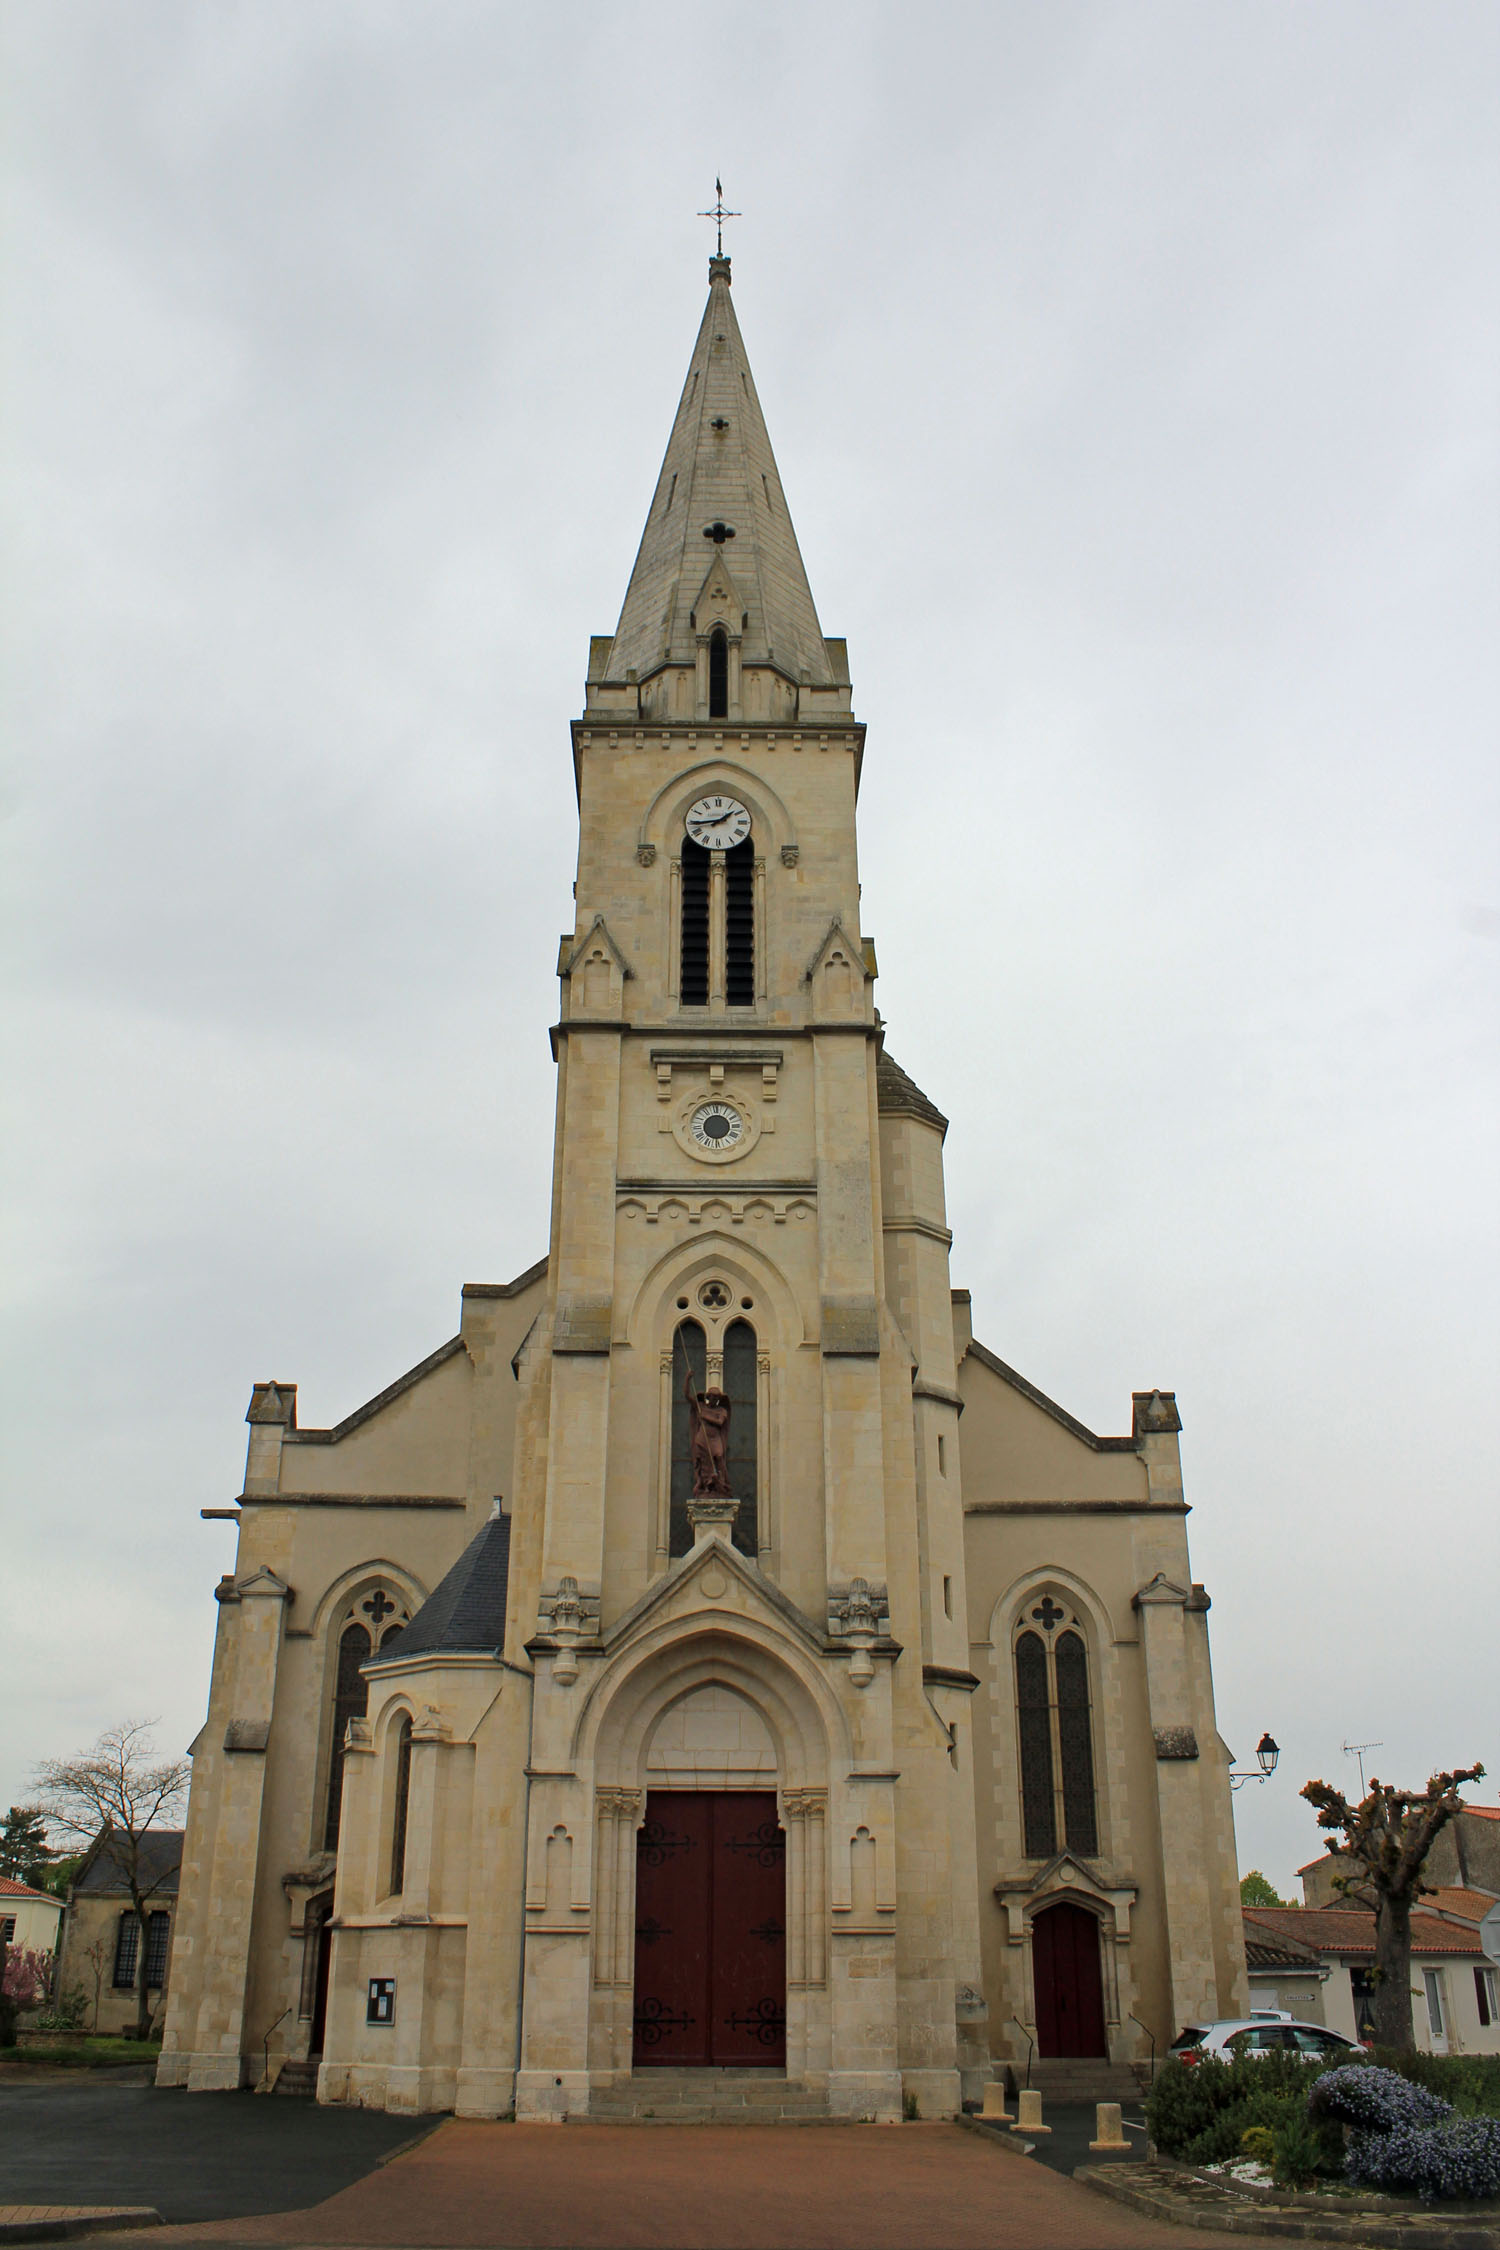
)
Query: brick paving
[{"x": 472, "y": 2186}]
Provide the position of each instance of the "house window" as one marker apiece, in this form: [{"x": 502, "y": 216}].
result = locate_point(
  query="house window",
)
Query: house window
[
  {"x": 718, "y": 676},
  {"x": 1362, "y": 1992},
  {"x": 158, "y": 1938},
  {"x": 7, "y": 1928},
  {"x": 738, "y": 1380},
  {"x": 694, "y": 981},
  {"x": 403, "y": 1798},
  {"x": 1486, "y": 1998},
  {"x": 127, "y": 1943},
  {"x": 1432, "y": 1985},
  {"x": 1055, "y": 1729}
]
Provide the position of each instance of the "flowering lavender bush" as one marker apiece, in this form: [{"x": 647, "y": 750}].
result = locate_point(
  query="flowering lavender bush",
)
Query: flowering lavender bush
[
  {"x": 1375, "y": 2101},
  {"x": 1405, "y": 2138}
]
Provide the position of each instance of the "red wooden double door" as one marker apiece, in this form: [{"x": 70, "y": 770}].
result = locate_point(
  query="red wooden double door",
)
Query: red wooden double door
[
  {"x": 1068, "y": 1984},
  {"x": 710, "y": 1930}
]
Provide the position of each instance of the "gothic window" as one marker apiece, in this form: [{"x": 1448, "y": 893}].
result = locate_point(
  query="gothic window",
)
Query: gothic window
[
  {"x": 739, "y": 1382},
  {"x": 689, "y": 1350},
  {"x": 739, "y": 925},
  {"x": 127, "y": 1945},
  {"x": 738, "y": 1379},
  {"x": 1055, "y": 1729},
  {"x": 357, "y": 1643},
  {"x": 694, "y": 983},
  {"x": 718, "y": 676},
  {"x": 403, "y": 1798},
  {"x": 157, "y": 1934}
]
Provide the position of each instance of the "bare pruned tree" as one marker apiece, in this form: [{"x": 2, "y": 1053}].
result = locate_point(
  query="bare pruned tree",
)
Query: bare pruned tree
[
  {"x": 1387, "y": 1836},
  {"x": 113, "y": 1796}
]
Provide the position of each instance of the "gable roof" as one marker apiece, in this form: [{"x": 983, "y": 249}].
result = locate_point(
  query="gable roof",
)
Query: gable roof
[
  {"x": 160, "y": 1863},
  {"x": 10, "y": 1888},
  {"x": 985, "y": 1358},
  {"x": 1351, "y": 1929},
  {"x": 1264, "y": 1949},
  {"x": 465, "y": 1612}
]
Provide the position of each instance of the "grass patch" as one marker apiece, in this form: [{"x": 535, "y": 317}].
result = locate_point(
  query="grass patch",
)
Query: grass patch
[{"x": 84, "y": 2054}]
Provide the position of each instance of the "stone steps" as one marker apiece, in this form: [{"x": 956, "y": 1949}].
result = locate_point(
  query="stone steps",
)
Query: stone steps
[
  {"x": 299, "y": 2078},
  {"x": 1081, "y": 2079},
  {"x": 707, "y": 2097}
]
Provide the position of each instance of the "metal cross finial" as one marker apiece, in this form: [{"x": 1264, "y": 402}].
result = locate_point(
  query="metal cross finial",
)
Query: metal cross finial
[{"x": 718, "y": 214}]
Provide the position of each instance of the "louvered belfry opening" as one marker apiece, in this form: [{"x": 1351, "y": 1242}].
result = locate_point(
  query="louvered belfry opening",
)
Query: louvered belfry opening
[
  {"x": 695, "y": 863},
  {"x": 739, "y": 920},
  {"x": 718, "y": 676}
]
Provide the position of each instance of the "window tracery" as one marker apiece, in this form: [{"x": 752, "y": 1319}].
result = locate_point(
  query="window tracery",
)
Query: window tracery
[
  {"x": 1054, "y": 1724},
  {"x": 363, "y": 1631}
]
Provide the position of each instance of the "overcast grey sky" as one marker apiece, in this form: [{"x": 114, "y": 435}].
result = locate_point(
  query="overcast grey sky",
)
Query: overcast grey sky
[{"x": 1132, "y": 373}]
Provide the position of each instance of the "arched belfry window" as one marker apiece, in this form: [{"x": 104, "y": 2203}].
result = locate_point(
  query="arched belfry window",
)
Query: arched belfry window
[
  {"x": 402, "y": 1798},
  {"x": 735, "y": 1373},
  {"x": 739, "y": 925},
  {"x": 718, "y": 675},
  {"x": 695, "y": 867},
  {"x": 375, "y": 1620},
  {"x": 1055, "y": 1729}
]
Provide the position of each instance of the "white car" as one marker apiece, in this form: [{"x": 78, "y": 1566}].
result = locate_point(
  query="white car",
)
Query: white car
[{"x": 1257, "y": 2035}]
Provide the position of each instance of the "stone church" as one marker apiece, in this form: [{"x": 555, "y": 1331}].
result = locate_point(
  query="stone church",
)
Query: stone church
[{"x": 538, "y": 1759}]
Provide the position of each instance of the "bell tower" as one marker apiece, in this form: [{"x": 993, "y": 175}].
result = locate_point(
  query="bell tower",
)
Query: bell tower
[{"x": 739, "y": 1209}]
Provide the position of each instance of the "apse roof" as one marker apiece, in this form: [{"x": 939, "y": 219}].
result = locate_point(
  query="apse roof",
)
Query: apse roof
[{"x": 466, "y": 1609}]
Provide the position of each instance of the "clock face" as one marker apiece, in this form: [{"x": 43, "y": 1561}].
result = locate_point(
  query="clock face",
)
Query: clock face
[
  {"x": 716, "y": 1125},
  {"x": 718, "y": 823}
]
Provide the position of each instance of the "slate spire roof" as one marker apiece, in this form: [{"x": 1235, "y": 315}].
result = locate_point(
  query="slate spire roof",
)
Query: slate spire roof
[
  {"x": 466, "y": 1609},
  {"x": 719, "y": 471}
]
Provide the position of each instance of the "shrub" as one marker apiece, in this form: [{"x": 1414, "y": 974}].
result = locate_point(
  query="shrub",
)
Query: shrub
[
  {"x": 1297, "y": 2151},
  {"x": 1200, "y": 2113},
  {"x": 1374, "y": 2100},
  {"x": 1470, "y": 2082},
  {"x": 1460, "y": 2157},
  {"x": 1259, "y": 2144}
]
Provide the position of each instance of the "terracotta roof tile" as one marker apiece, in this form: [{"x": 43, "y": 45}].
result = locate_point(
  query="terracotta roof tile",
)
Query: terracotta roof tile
[
  {"x": 1471, "y": 1905},
  {"x": 10, "y": 1888},
  {"x": 1351, "y": 1929}
]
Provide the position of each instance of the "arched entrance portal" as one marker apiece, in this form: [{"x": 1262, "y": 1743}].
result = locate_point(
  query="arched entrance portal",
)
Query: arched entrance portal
[
  {"x": 710, "y": 1930},
  {"x": 1067, "y": 1982}
]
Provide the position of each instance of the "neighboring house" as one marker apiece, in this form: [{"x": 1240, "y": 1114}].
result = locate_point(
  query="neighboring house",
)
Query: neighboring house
[
  {"x": 100, "y": 1914},
  {"x": 1455, "y": 2000},
  {"x": 28, "y": 1918},
  {"x": 1284, "y": 1973},
  {"x": 1465, "y": 1856}
]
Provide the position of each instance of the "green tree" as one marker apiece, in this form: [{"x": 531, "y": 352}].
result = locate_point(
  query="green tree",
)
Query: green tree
[
  {"x": 24, "y": 1853},
  {"x": 115, "y": 1794},
  {"x": 1387, "y": 1837},
  {"x": 1257, "y": 1890}
]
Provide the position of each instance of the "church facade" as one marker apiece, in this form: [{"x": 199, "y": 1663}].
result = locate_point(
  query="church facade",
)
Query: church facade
[{"x": 713, "y": 1657}]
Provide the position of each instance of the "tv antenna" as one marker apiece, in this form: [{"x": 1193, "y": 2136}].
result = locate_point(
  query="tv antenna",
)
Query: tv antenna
[{"x": 1357, "y": 1750}]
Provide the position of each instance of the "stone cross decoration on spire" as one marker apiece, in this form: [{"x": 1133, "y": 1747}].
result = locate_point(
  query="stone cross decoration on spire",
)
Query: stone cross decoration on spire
[{"x": 718, "y": 214}]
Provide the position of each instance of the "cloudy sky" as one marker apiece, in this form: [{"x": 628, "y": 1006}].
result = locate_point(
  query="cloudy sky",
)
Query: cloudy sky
[{"x": 1131, "y": 368}]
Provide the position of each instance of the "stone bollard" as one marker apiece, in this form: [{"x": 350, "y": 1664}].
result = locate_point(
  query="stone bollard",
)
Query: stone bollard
[
  {"x": 1108, "y": 2128},
  {"x": 994, "y": 2111},
  {"x": 1029, "y": 2103}
]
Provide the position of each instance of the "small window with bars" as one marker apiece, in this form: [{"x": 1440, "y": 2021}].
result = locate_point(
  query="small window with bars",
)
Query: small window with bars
[
  {"x": 158, "y": 1944},
  {"x": 1054, "y": 1722},
  {"x": 127, "y": 1950}
]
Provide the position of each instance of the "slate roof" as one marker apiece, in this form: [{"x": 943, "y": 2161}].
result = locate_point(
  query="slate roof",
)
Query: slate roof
[
  {"x": 1351, "y": 1929},
  {"x": 465, "y": 1610},
  {"x": 160, "y": 1862},
  {"x": 719, "y": 470},
  {"x": 896, "y": 1095}
]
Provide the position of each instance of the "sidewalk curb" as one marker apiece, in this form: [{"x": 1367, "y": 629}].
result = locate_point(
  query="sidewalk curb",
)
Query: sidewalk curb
[
  {"x": 1154, "y": 2193},
  {"x": 107, "y": 2219}
]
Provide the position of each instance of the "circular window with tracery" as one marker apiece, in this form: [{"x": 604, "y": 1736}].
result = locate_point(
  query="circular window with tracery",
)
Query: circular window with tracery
[{"x": 714, "y": 1295}]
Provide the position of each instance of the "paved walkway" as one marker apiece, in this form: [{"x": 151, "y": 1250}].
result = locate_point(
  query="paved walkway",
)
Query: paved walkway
[{"x": 629, "y": 2187}]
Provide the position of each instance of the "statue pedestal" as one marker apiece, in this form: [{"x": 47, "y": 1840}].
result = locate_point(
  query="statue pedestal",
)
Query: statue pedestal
[{"x": 711, "y": 1512}]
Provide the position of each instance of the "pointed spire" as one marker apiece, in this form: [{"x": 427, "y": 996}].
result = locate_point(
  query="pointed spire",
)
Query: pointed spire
[{"x": 719, "y": 495}]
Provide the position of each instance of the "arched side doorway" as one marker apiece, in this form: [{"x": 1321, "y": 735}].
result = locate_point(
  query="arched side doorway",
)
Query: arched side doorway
[{"x": 1067, "y": 1982}]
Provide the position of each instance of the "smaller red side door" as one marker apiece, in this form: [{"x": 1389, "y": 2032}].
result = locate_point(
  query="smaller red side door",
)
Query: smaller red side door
[{"x": 1068, "y": 1983}]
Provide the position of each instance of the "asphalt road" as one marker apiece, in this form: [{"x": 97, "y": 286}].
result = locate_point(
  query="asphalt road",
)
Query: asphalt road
[{"x": 193, "y": 2156}]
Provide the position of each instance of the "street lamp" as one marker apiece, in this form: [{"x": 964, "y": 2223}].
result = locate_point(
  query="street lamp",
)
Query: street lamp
[{"x": 1267, "y": 1752}]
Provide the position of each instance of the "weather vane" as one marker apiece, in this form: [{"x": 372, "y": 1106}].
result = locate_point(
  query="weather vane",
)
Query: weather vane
[{"x": 718, "y": 214}]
